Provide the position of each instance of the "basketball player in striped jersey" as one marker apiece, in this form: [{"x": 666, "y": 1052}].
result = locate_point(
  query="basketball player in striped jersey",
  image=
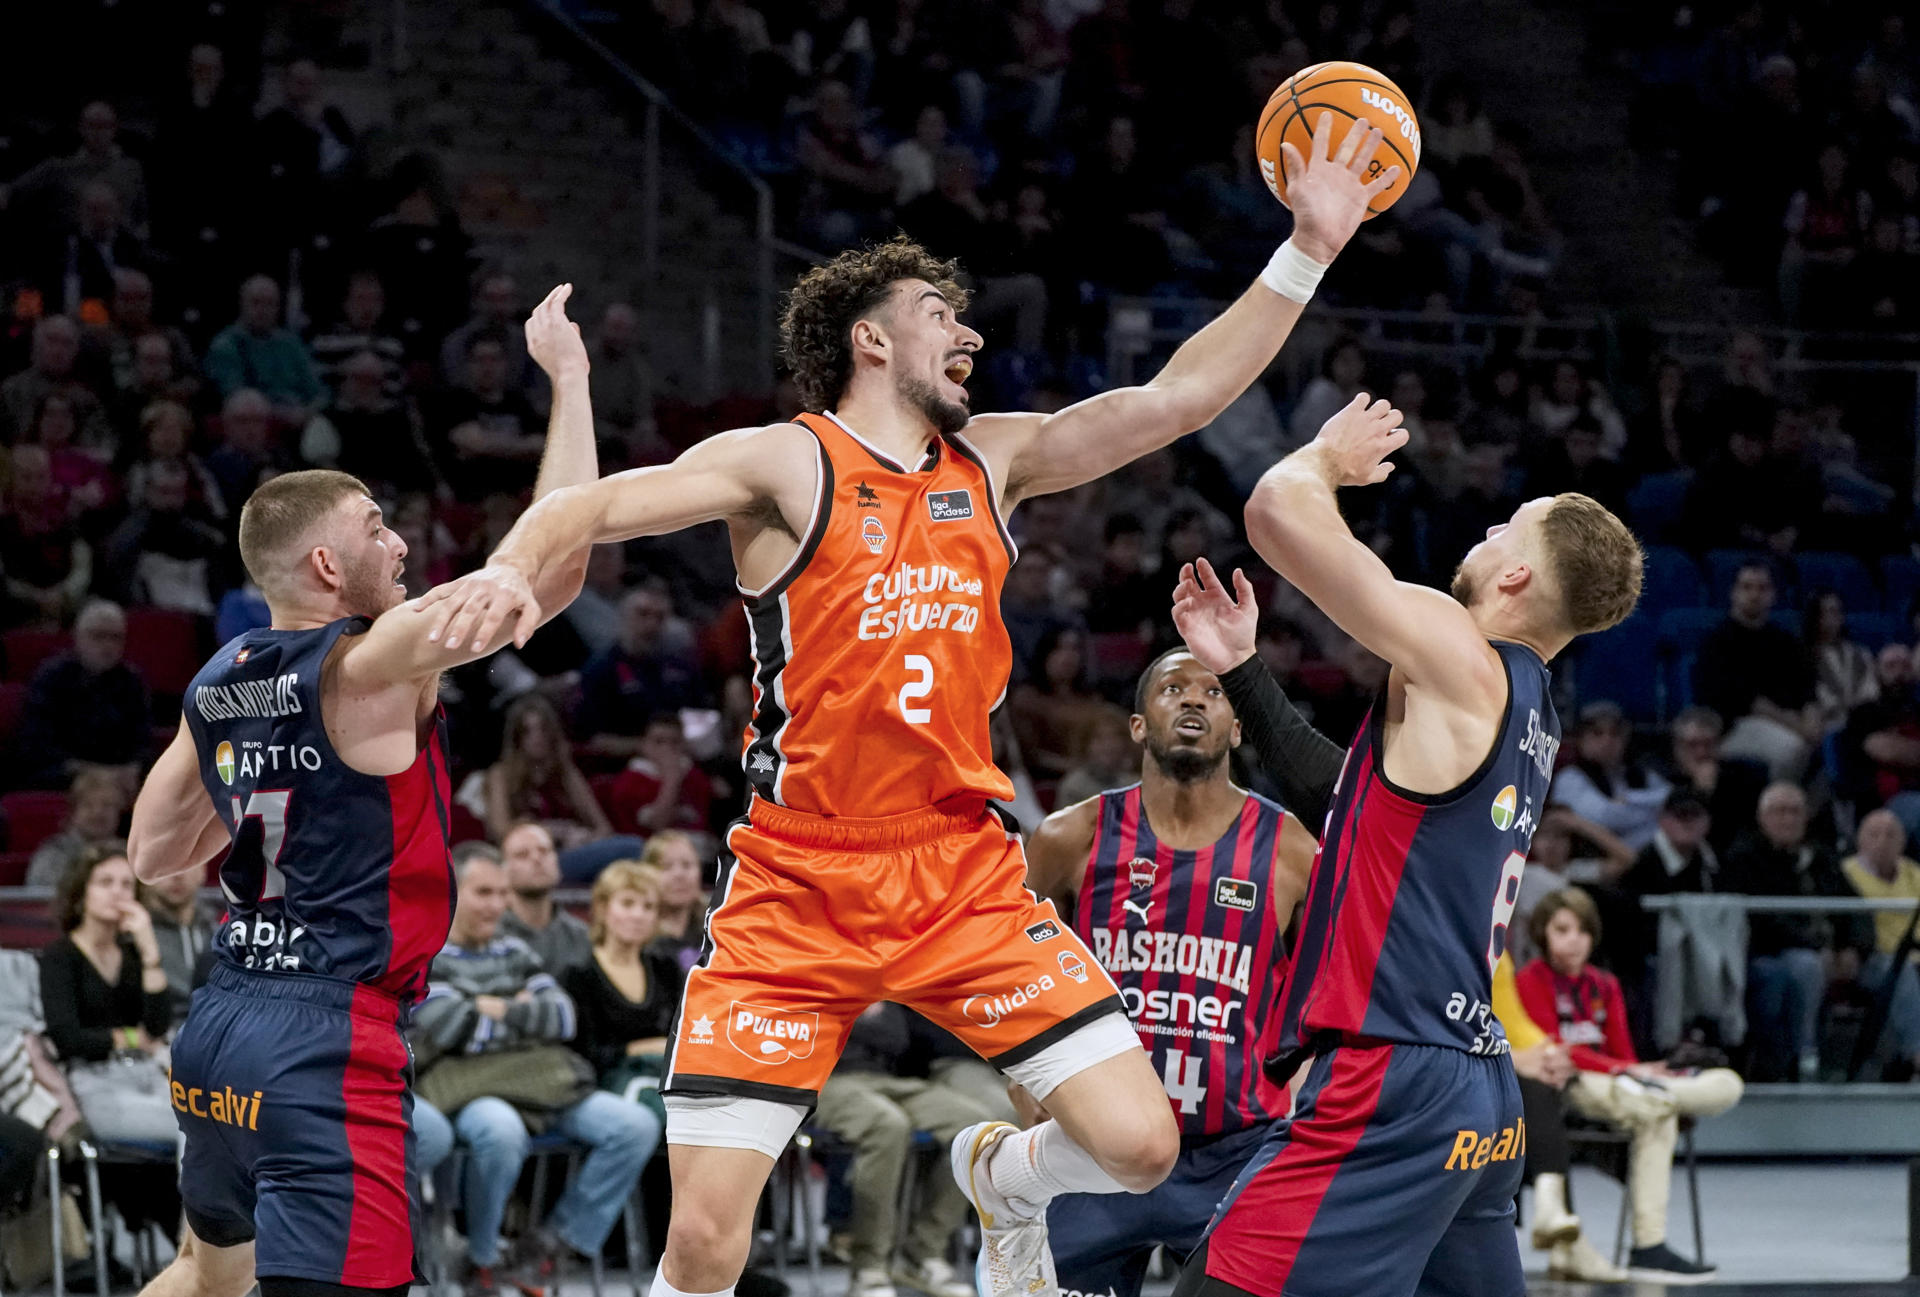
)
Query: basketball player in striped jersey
[
  {"x": 1183, "y": 886},
  {"x": 871, "y": 543},
  {"x": 1397, "y": 1172}
]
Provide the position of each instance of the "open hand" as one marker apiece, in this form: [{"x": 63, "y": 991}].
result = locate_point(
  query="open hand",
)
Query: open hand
[
  {"x": 553, "y": 340},
  {"x": 472, "y": 609},
  {"x": 1357, "y": 440},
  {"x": 1329, "y": 192},
  {"x": 1218, "y": 630}
]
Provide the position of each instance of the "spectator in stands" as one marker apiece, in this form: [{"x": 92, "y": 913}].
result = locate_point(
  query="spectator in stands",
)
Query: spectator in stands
[
  {"x": 81, "y": 476},
  {"x": 1881, "y": 289},
  {"x": 1746, "y": 497},
  {"x": 47, "y": 564},
  {"x": 256, "y": 352},
  {"x": 1055, "y": 714},
  {"x": 1123, "y": 597},
  {"x": 1666, "y": 435},
  {"x": 153, "y": 377},
  {"x": 75, "y": 272},
  {"x": 248, "y": 447},
  {"x": 1823, "y": 229},
  {"x": 1569, "y": 396},
  {"x": 1882, "y": 871},
  {"x": 913, "y": 159},
  {"x": 954, "y": 218},
  {"x": 1111, "y": 761},
  {"x": 536, "y": 779},
  {"x": 661, "y": 788},
  {"x": 183, "y": 926},
  {"x": 131, "y": 318},
  {"x": 104, "y": 993},
  {"x": 204, "y": 157},
  {"x": 840, "y": 162},
  {"x": 496, "y": 316},
  {"x": 1553, "y": 864},
  {"x": 1844, "y": 674},
  {"x": 868, "y": 1103},
  {"x": 642, "y": 675},
  {"x": 304, "y": 143},
  {"x": 623, "y": 385},
  {"x": 1786, "y": 953},
  {"x": 1680, "y": 858},
  {"x": 1759, "y": 679},
  {"x": 162, "y": 556},
  {"x": 1601, "y": 785},
  {"x": 85, "y": 707},
  {"x": 830, "y": 39},
  {"x": 166, "y": 429},
  {"x": 679, "y": 925},
  {"x": 54, "y": 353},
  {"x": 489, "y": 995},
  {"x": 1575, "y": 461},
  {"x": 421, "y": 254},
  {"x": 378, "y": 438},
  {"x": 1730, "y": 788},
  {"x": 49, "y": 193},
  {"x": 360, "y": 329},
  {"x": 1343, "y": 372},
  {"x": 1582, "y": 1007},
  {"x": 491, "y": 433},
  {"x": 628, "y": 988},
  {"x": 97, "y": 805},
  {"x": 533, "y": 871}
]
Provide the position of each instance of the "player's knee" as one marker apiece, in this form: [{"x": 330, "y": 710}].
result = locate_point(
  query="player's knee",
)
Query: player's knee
[
  {"x": 706, "y": 1238},
  {"x": 1140, "y": 1153}
]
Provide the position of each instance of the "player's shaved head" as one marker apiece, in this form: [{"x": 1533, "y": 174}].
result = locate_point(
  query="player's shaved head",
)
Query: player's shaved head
[{"x": 287, "y": 517}]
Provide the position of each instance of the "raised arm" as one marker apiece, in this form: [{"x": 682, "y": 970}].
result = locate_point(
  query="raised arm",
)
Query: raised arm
[
  {"x": 1057, "y": 854},
  {"x": 1046, "y": 453},
  {"x": 1295, "y": 525},
  {"x": 175, "y": 825}
]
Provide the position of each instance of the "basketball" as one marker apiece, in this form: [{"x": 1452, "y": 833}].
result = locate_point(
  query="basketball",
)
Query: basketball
[{"x": 1347, "y": 90}]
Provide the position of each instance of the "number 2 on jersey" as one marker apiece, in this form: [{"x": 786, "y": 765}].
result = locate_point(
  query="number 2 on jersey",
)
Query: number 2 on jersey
[
  {"x": 271, "y": 810},
  {"x": 1503, "y": 903},
  {"x": 922, "y": 667}
]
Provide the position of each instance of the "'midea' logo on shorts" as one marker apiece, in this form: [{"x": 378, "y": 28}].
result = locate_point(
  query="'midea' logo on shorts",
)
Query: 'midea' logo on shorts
[
  {"x": 771, "y": 1035},
  {"x": 991, "y": 1010}
]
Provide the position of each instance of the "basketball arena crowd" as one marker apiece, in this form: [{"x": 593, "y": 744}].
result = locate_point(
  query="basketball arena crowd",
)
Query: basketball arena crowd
[{"x": 211, "y": 274}]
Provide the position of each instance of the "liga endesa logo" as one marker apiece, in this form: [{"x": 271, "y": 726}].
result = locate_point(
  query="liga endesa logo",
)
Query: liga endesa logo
[{"x": 769, "y": 1035}]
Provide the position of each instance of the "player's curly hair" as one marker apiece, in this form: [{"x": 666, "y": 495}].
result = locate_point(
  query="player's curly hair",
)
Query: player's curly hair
[{"x": 824, "y": 305}]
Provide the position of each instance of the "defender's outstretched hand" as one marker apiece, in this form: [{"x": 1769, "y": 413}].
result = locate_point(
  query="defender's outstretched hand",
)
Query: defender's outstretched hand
[
  {"x": 1219, "y": 630},
  {"x": 1357, "y": 440},
  {"x": 553, "y": 340},
  {"x": 472, "y": 609},
  {"x": 1329, "y": 192}
]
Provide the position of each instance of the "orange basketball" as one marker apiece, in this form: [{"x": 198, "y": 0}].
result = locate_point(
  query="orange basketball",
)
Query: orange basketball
[{"x": 1347, "y": 90}]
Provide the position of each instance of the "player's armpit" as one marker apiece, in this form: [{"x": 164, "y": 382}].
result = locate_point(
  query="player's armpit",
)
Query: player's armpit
[
  {"x": 1057, "y": 852},
  {"x": 175, "y": 826},
  {"x": 1292, "y": 865}
]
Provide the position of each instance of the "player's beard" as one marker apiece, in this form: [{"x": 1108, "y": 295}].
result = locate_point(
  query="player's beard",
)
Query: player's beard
[
  {"x": 1462, "y": 587},
  {"x": 1184, "y": 763},
  {"x": 367, "y": 591},
  {"x": 947, "y": 417}
]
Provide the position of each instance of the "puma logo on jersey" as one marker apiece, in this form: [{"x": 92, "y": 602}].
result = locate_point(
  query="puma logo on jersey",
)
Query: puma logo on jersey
[{"x": 1141, "y": 910}]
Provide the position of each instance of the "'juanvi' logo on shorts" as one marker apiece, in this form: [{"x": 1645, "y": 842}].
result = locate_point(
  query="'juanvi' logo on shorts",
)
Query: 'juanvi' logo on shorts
[{"x": 770, "y": 1035}]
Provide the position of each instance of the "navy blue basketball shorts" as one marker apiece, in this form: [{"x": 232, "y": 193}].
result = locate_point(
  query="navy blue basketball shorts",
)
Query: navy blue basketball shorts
[
  {"x": 1394, "y": 1177},
  {"x": 1103, "y": 1241},
  {"x": 293, "y": 1093}
]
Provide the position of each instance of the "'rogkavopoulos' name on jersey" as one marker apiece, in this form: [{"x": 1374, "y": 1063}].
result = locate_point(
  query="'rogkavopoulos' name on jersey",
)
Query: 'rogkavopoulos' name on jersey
[
  {"x": 262, "y": 699},
  {"x": 895, "y": 608}
]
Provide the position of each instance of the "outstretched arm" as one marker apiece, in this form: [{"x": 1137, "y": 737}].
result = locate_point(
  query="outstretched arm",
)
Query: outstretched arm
[
  {"x": 175, "y": 825},
  {"x": 1211, "y": 369},
  {"x": 1057, "y": 854},
  {"x": 1296, "y": 526}
]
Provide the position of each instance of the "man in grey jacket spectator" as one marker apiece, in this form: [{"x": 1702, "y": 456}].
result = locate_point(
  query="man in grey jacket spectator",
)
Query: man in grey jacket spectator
[{"x": 488, "y": 993}]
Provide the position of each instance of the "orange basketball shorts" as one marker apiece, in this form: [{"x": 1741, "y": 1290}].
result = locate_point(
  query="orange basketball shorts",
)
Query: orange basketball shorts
[{"x": 819, "y": 918}]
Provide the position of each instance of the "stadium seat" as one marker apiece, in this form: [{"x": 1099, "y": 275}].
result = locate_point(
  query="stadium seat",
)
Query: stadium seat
[
  {"x": 1655, "y": 503},
  {"x": 1900, "y": 577},
  {"x": 1616, "y": 666},
  {"x": 13, "y": 867},
  {"x": 32, "y": 818},
  {"x": 1676, "y": 682},
  {"x": 1683, "y": 630},
  {"x": 13, "y": 699},
  {"x": 25, "y": 650},
  {"x": 1842, "y": 573},
  {"x": 164, "y": 647},
  {"x": 1672, "y": 581},
  {"x": 1873, "y": 631}
]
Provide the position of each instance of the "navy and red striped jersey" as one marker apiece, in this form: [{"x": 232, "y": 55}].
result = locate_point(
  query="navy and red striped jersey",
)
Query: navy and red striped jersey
[
  {"x": 332, "y": 871},
  {"x": 1190, "y": 940},
  {"x": 1408, "y": 904}
]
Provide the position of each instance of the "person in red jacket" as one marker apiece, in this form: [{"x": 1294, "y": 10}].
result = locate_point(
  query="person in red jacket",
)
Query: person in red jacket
[{"x": 1582, "y": 1006}]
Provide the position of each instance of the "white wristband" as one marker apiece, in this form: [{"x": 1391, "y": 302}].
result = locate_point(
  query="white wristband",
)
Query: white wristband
[{"x": 1292, "y": 273}]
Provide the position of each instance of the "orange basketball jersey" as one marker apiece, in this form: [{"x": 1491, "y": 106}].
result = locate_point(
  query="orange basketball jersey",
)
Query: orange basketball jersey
[{"x": 880, "y": 651}]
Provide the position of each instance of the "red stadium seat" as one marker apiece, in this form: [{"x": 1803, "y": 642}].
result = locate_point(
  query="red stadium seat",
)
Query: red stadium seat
[
  {"x": 1117, "y": 655},
  {"x": 13, "y": 699},
  {"x": 32, "y": 818},
  {"x": 464, "y": 825},
  {"x": 164, "y": 647},
  {"x": 26, "y": 649},
  {"x": 602, "y": 785},
  {"x": 13, "y": 868}
]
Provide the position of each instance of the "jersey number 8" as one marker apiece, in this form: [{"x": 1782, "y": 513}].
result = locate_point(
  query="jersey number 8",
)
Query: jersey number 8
[{"x": 1503, "y": 903}]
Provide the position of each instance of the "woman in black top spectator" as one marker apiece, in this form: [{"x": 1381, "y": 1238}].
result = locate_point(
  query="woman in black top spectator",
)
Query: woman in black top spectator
[
  {"x": 678, "y": 929},
  {"x": 625, "y": 996}
]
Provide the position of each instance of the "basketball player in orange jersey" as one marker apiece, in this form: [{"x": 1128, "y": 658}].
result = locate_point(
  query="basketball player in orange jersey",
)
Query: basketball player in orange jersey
[{"x": 871, "y": 544}]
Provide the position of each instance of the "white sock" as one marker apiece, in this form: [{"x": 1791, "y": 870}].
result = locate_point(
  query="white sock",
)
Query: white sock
[
  {"x": 1028, "y": 1169},
  {"x": 661, "y": 1288}
]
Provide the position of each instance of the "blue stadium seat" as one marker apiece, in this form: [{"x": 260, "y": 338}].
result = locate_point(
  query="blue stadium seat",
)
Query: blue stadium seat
[
  {"x": 1655, "y": 503},
  {"x": 1672, "y": 581},
  {"x": 1842, "y": 573},
  {"x": 1617, "y": 666},
  {"x": 1683, "y": 630},
  {"x": 1723, "y": 565},
  {"x": 1676, "y": 683},
  {"x": 1873, "y": 631},
  {"x": 1900, "y": 576}
]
